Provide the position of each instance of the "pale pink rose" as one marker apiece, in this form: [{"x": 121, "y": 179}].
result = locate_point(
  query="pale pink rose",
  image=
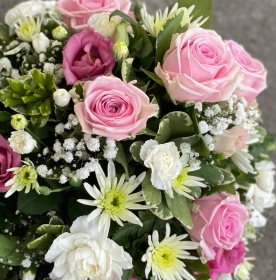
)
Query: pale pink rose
[
  {"x": 77, "y": 12},
  {"x": 199, "y": 67},
  {"x": 226, "y": 261},
  {"x": 8, "y": 159},
  {"x": 218, "y": 222},
  {"x": 86, "y": 56},
  {"x": 113, "y": 109},
  {"x": 254, "y": 72},
  {"x": 231, "y": 141}
]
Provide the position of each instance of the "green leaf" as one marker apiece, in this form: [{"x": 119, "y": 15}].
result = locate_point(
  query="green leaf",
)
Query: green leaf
[
  {"x": 3, "y": 272},
  {"x": 148, "y": 220},
  {"x": 127, "y": 273},
  {"x": 45, "y": 108},
  {"x": 192, "y": 140},
  {"x": 5, "y": 116},
  {"x": 202, "y": 8},
  {"x": 151, "y": 195},
  {"x": 32, "y": 108},
  {"x": 135, "y": 150},
  {"x": 125, "y": 231},
  {"x": 228, "y": 177},
  {"x": 4, "y": 32},
  {"x": 43, "y": 243},
  {"x": 121, "y": 158},
  {"x": 212, "y": 174},
  {"x": 179, "y": 207},
  {"x": 40, "y": 121},
  {"x": 127, "y": 70},
  {"x": 153, "y": 76},
  {"x": 164, "y": 132},
  {"x": 162, "y": 211},
  {"x": 38, "y": 77},
  {"x": 224, "y": 188},
  {"x": 75, "y": 209},
  {"x": 50, "y": 82},
  {"x": 8, "y": 254},
  {"x": 124, "y": 16},
  {"x": 165, "y": 36},
  {"x": 16, "y": 86},
  {"x": 35, "y": 204},
  {"x": 197, "y": 266},
  {"x": 201, "y": 147}
]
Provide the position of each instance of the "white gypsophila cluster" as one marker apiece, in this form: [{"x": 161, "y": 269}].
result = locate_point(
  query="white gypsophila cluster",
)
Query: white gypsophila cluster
[
  {"x": 92, "y": 143},
  {"x": 75, "y": 97},
  {"x": 5, "y": 64},
  {"x": 26, "y": 263},
  {"x": 63, "y": 179},
  {"x": 42, "y": 170},
  {"x": 198, "y": 106},
  {"x": 189, "y": 155},
  {"x": 69, "y": 144},
  {"x": 235, "y": 111},
  {"x": 110, "y": 149}
]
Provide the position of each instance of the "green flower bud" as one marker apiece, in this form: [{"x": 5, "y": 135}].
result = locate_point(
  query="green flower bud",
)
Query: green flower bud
[
  {"x": 120, "y": 51},
  {"x": 19, "y": 122},
  {"x": 44, "y": 190},
  {"x": 75, "y": 182},
  {"x": 121, "y": 34},
  {"x": 60, "y": 33}
]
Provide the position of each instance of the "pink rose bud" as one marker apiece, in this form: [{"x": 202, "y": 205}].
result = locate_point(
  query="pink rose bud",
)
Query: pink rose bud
[
  {"x": 86, "y": 56},
  {"x": 77, "y": 12},
  {"x": 199, "y": 67},
  {"x": 113, "y": 109},
  {"x": 231, "y": 141},
  {"x": 254, "y": 72},
  {"x": 218, "y": 222}
]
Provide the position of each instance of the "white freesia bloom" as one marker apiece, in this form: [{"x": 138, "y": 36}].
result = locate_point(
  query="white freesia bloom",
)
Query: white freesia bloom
[
  {"x": 28, "y": 275},
  {"x": 61, "y": 97},
  {"x": 164, "y": 162},
  {"x": 265, "y": 177},
  {"x": 242, "y": 161},
  {"x": 115, "y": 197},
  {"x": 31, "y": 8},
  {"x": 40, "y": 42},
  {"x": 101, "y": 24},
  {"x": 22, "y": 142},
  {"x": 86, "y": 253},
  {"x": 165, "y": 258},
  {"x": 259, "y": 198}
]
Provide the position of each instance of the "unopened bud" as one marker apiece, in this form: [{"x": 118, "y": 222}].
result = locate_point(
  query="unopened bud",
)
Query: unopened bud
[
  {"x": 40, "y": 42},
  {"x": 120, "y": 51},
  {"x": 61, "y": 97},
  {"x": 60, "y": 33}
]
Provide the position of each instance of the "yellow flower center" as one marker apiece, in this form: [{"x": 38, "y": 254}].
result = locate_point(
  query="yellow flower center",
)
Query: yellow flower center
[
  {"x": 114, "y": 202},
  {"x": 163, "y": 256},
  {"x": 181, "y": 178},
  {"x": 27, "y": 175}
]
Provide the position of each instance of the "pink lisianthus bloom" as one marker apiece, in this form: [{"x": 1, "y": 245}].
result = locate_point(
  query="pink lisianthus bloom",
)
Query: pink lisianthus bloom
[
  {"x": 226, "y": 261},
  {"x": 231, "y": 141},
  {"x": 77, "y": 12},
  {"x": 254, "y": 72},
  {"x": 218, "y": 222},
  {"x": 8, "y": 159},
  {"x": 86, "y": 56},
  {"x": 113, "y": 109},
  {"x": 199, "y": 67}
]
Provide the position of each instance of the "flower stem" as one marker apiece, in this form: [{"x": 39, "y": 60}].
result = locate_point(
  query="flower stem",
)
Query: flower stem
[
  {"x": 35, "y": 137},
  {"x": 61, "y": 189}
]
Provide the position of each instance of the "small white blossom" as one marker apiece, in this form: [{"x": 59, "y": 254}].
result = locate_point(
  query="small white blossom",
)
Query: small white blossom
[
  {"x": 40, "y": 42},
  {"x": 59, "y": 129},
  {"x": 15, "y": 74},
  {"x": 75, "y": 121},
  {"x": 66, "y": 171},
  {"x": 57, "y": 147},
  {"x": 42, "y": 170},
  {"x": 49, "y": 67},
  {"x": 68, "y": 125},
  {"x": 110, "y": 153},
  {"x": 26, "y": 263},
  {"x": 80, "y": 146},
  {"x": 42, "y": 57},
  {"x": 69, "y": 144},
  {"x": 22, "y": 142},
  {"x": 68, "y": 157},
  {"x": 5, "y": 64},
  {"x": 93, "y": 144},
  {"x": 208, "y": 112},
  {"x": 211, "y": 147},
  {"x": 83, "y": 173},
  {"x": 216, "y": 109},
  {"x": 198, "y": 106},
  {"x": 62, "y": 179},
  {"x": 185, "y": 148},
  {"x": 203, "y": 127},
  {"x": 56, "y": 157},
  {"x": 110, "y": 143},
  {"x": 208, "y": 139}
]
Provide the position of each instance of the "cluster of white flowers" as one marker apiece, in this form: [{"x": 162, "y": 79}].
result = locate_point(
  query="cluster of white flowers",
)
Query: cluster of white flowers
[{"x": 217, "y": 118}]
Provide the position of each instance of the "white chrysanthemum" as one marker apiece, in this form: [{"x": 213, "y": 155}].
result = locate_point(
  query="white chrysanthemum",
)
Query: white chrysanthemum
[
  {"x": 24, "y": 177},
  {"x": 165, "y": 258},
  {"x": 114, "y": 198},
  {"x": 164, "y": 162},
  {"x": 243, "y": 270},
  {"x": 183, "y": 183},
  {"x": 86, "y": 253}
]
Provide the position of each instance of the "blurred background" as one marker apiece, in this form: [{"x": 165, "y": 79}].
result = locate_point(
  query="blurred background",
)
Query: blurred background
[{"x": 251, "y": 23}]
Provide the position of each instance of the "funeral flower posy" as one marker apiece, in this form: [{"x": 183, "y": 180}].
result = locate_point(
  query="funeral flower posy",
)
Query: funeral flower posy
[{"x": 130, "y": 146}]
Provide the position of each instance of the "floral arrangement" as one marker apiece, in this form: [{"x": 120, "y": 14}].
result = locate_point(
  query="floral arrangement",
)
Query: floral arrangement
[{"x": 130, "y": 146}]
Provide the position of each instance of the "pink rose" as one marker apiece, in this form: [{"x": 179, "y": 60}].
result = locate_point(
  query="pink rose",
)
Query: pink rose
[
  {"x": 226, "y": 261},
  {"x": 218, "y": 222},
  {"x": 113, "y": 109},
  {"x": 8, "y": 159},
  {"x": 77, "y": 12},
  {"x": 231, "y": 141},
  {"x": 199, "y": 67},
  {"x": 86, "y": 56},
  {"x": 254, "y": 72}
]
